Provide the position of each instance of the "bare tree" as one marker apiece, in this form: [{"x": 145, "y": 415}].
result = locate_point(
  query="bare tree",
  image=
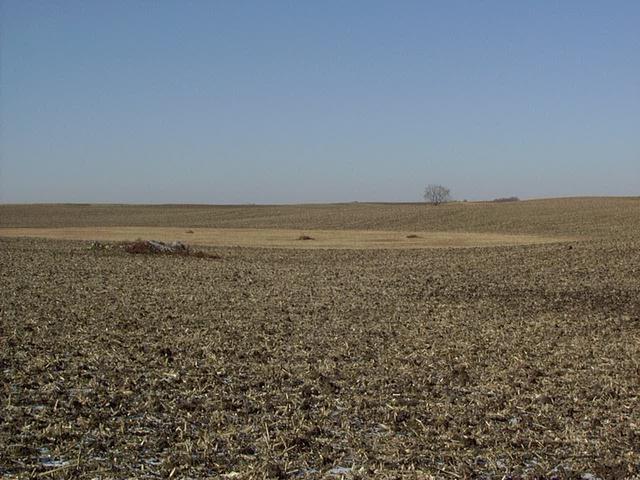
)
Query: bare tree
[{"x": 436, "y": 194}]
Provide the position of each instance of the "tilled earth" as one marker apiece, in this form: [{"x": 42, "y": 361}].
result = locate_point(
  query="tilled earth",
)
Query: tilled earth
[{"x": 480, "y": 362}]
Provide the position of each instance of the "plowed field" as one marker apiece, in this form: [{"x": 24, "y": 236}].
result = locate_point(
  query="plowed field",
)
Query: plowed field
[{"x": 498, "y": 361}]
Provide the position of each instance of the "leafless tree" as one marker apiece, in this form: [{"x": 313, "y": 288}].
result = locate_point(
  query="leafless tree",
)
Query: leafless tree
[{"x": 436, "y": 194}]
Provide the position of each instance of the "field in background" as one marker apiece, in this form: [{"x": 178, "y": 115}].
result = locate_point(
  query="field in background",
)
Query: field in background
[
  {"x": 501, "y": 361},
  {"x": 592, "y": 217}
]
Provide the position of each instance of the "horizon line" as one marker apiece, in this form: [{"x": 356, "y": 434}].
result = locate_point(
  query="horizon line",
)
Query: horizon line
[{"x": 354, "y": 202}]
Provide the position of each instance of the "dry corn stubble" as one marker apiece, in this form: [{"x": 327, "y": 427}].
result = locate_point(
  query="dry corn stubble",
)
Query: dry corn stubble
[{"x": 518, "y": 361}]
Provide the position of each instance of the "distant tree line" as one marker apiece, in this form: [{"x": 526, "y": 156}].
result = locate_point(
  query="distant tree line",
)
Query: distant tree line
[
  {"x": 435, "y": 194},
  {"x": 506, "y": 199}
]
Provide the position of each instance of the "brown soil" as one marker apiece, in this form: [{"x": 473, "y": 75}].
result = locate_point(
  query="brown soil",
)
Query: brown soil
[
  {"x": 604, "y": 217},
  {"x": 487, "y": 362}
]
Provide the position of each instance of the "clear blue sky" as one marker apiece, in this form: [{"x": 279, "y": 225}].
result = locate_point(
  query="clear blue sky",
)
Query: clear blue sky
[{"x": 317, "y": 101}]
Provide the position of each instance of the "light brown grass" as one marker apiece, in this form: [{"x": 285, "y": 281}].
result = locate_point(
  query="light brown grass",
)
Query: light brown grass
[{"x": 285, "y": 238}]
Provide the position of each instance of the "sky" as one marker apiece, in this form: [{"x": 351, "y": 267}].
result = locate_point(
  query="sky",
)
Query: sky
[{"x": 317, "y": 101}]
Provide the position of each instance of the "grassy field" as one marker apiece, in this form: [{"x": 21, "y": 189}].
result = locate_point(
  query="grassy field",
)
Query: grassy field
[
  {"x": 285, "y": 238},
  {"x": 497, "y": 361}
]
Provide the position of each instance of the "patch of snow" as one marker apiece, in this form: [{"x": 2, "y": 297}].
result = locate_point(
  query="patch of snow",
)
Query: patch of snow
[{"x": 339, "y": 471}]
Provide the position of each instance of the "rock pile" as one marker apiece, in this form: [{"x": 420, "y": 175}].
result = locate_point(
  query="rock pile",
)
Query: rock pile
[{"x": 155, "y": 246}]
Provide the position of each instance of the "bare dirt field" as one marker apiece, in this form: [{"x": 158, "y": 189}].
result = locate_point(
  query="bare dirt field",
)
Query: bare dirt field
[
  {"x": 498, "y": 361},
  {"x": 592, "y": 216}
]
